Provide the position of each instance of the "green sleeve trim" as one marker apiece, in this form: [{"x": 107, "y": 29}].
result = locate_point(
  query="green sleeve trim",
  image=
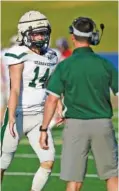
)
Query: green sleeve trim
[
  {"x": 3, "y": 128},
  {"x": 15, "y": 56},
  {"x": 50, "y": 92}
]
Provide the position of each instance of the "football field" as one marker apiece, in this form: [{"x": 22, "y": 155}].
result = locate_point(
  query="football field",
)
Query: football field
[
  {"x": 61, "y": 14},
  {"x": 25, "y": 164}
]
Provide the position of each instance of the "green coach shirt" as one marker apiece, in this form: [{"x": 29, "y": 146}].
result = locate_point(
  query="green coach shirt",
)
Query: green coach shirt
[{"x": 85, "y": 80}]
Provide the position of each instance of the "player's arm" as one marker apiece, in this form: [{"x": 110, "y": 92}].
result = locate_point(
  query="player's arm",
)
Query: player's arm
[
  {"x": 15, "y": 72},
  {"x": 55, "y": 89},
  {"x": 49, "y": 110},
  {"x": 58, "y": 112},
  {"x": 3, "y": 91}
]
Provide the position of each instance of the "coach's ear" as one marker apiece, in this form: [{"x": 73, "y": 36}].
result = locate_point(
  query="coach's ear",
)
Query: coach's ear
[{"x": 73, "y": 38}]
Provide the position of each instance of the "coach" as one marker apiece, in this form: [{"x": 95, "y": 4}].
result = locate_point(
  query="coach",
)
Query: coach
[{"x": 85, "y": 80}]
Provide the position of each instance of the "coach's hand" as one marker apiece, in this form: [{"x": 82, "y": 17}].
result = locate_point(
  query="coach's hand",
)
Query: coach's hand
[
  {"x": 11, "y": 127},
  {"x": 44, "y": 140}
]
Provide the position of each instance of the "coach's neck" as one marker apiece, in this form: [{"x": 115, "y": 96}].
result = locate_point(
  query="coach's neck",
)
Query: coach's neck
[{"x": 81, "y": 44}]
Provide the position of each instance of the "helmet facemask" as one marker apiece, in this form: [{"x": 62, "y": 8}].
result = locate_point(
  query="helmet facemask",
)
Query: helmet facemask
[{"x": 41, "y": 44}]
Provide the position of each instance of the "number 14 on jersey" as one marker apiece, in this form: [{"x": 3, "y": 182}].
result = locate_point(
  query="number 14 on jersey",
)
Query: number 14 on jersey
[{"x": 42, "y": 80}]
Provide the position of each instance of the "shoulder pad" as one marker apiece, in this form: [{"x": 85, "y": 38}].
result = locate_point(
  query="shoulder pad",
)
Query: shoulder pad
[
  {"x": 52, "y": 51},
  {"x": 50, "y": 54},
  {"x": 15, "y": 54},
  {"x": 17, "y": 50}
]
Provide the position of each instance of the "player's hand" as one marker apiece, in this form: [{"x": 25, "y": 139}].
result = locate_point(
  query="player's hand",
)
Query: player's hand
[
  {"x": 44, "y": 140},
  {"x": 11, "y": 127}
]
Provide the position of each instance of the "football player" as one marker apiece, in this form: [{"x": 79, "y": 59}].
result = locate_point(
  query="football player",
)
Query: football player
[{"x": 30, "y": 65}]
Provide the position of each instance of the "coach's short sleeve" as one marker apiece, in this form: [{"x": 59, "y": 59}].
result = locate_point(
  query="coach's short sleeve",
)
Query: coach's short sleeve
[{"x": 55, "y": 84}]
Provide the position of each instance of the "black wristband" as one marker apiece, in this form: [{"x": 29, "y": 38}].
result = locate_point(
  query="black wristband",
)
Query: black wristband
[{"x": 44, "y": 130}]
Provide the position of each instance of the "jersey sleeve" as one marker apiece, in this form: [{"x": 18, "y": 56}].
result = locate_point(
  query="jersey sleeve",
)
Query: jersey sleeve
[
  {"x": 15, "y": 55},
  {"x": 55, "y": 84}
]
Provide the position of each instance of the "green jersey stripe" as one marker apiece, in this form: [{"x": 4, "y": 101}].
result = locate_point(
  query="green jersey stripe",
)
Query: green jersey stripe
[
  {"x": 15, "y": 56},
  {"x": 3, "y": 128}
]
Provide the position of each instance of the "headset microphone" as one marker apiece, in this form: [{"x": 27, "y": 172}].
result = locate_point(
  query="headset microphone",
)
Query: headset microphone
[{"x": 102, "y": 26}]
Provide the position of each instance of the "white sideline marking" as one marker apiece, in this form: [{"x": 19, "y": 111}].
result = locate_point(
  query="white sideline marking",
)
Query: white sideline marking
[
  {"x": 34, "y": 156},
  {"x": 26, "y": 142},
  {"x": 31, "y": 174},
  {"x": 58, "y": 141}
]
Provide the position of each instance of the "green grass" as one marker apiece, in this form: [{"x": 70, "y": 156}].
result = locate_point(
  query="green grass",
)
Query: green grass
[
  {"x": 61, "y": 15},
  {"x": 54, "y": 184},
  {"x": 23, "y": 183}
]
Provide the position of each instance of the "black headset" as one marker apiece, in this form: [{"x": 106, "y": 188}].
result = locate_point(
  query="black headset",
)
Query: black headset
[{"x": 95, "y": 37}]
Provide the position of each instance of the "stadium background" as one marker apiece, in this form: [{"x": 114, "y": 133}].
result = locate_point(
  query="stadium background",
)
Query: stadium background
[{"x": 61, "y": 15}]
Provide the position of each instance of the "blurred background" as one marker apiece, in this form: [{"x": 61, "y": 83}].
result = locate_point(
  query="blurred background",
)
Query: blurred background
[{"x": 60, "y": 14}]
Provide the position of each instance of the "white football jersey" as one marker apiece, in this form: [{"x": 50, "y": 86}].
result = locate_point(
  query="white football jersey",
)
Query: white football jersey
[
  {"x": 6, "y": 72},
  {"x": 37, "y": 70}
]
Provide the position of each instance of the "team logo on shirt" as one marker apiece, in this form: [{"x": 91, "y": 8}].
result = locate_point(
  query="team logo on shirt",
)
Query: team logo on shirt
[{"x": 44, "y": 63}]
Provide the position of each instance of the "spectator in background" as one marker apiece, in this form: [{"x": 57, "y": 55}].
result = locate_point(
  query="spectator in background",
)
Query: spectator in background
[
  {"x": 13, "y": 40},
  {"x": 63, "y": 46}
]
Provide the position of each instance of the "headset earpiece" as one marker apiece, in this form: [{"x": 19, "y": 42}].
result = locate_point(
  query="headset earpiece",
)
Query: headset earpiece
[{"x": 95, "y": 38}]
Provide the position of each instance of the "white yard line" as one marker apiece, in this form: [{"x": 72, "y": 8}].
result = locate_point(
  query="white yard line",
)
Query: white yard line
[
  {"x": 56, "y": 141},
  {"x": 34, "y": 156},
  {"x": 31, "y": 174},
  {"x": 25, "y": 142}
]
